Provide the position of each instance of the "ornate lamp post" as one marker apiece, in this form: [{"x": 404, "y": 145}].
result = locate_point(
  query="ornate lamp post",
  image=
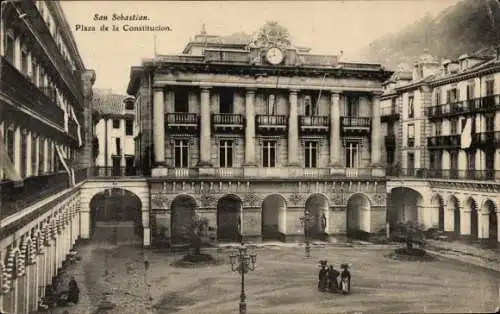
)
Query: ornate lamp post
[
  {"x": 305, "y": 222},
  {"x": 242, "y": 262}
]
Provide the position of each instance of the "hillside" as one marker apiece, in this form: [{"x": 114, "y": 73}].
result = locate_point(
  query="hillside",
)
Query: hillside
[{"x": 467, "y": 27}]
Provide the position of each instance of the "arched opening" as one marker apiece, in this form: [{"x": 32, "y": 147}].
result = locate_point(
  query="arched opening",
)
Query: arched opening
[
  {"x": 405, "y": 203},
  {"x": 273, "y": 218},
  {"x": 358, "y": 215},
  {"x": 317, "y": 206},
  {"x": 116, "y": 216},
  {"x": 182, "y": 213},
  {"x": 229, "y": 218},
  {"x": 490, "y": 208},
  {"x": 438, "y": 215},
  {"x": 472, "y": 207},
  {"x": 454, "y": 209}
]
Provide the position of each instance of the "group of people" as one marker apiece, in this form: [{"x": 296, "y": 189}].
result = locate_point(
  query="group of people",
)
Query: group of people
[{"x": 328, "y": 278}]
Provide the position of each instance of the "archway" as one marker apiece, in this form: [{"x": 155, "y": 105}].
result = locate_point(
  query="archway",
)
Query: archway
[
  {"x": 116, "y": 216},
  {"x": 182, "y": 213},
  {"x": 454, "y": 210},
  {"x": 472, "y": 207},
  {"x": 273, "y": 218},
  {"x": 229, "y": 218},
  {"x": 437, "y": 218},
  {"x": 317, "y": 206},
  {"x": 405, "y": 203},
  {"x": 490, "y": 208},
  {"x": 358, "y": 215}
]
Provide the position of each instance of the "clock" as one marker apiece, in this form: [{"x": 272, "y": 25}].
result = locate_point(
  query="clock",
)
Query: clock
[{"x": 274, "y": 55}]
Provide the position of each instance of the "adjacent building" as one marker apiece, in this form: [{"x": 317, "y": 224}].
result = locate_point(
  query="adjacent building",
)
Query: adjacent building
[
  {"x": 442, "y": 127},
  {"x": 255, "y": 134},
  {"x": 115, "y": 131},
  {"x": 44, "y": 142}
]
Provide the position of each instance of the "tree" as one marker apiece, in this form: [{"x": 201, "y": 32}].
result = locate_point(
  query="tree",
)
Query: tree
[
  {"x": 411, "y": 233},
  {"x": 198, "y": 232},
  {"x": 272, "y": 34}
]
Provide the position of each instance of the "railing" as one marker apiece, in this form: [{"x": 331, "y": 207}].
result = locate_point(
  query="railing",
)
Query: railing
[
  {"x": 16, "y": 85},
  {"x": 356, "y": 122},
  {"x": 314, "y": 121},
  {"x": 358, "y": 172},
  {"x": 390, "y": 141},
  {"x": 33, "y": 189},
  {"x": 465, "y": 106},
  {"x": 272, "y": 120},
  {"x": 81, "y": 175},
  {"x": 227, "y": 56},
  {"x": 317, "y": 60},
  {"x": 182, "y": 118},
  {"x": 229, "y": 172},
  {"x": 444, "y": 141},
  {"x": 103, "y": 172},
  {"x": 388, "y": 111},
  {"x": 72, "y": 129},
  {"x": 467, "y": 174},
  {"x": 227, "y": 119},
  {"x": 488, "y": 139},
  {"x": 182, "y": 172}
]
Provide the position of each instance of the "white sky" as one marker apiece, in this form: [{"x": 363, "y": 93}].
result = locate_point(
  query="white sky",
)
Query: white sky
[{"x": 325, "y": 26}]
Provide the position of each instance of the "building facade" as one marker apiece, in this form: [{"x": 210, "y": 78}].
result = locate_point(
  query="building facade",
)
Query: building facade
[
  {"x": 252, "y": 134},
  {"x": 442, "y": 129},
  {"x": 44, "y": 142},
  {"x": 115, "y": 131}
]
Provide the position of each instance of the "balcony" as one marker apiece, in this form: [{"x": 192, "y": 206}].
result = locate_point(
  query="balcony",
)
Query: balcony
[
  {"x": 14, "y": 198},
  {"x": 390, "y": 141},
  {"x": 356, "y": 125},
  {"x": 228, "y": 122},
  {"x": 182, "y": 122},
  {"x": 18, "y": 87},
  {"x": 314, "y": 124},
  {"x": 182, "y": 172},
  {"x": 271, "y": 123},
  {"x": 229, "y": 172},
  {"x": 107, "y": 172},
  {"x": 389, "y": 114},
  {"x": 471, "y": 106},
  {"x": 454, "y": 174},
  {"x": 73, "y": 129},
  {"x": 444, "y": 142}
]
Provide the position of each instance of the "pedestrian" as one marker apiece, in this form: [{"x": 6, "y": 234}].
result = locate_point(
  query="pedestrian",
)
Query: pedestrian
[
  {"x": 345, "y": 279},
  {"x": 74, "y": 291},
  {"x": 333, "y": 274},
  {"x": 323, "y": 275}
]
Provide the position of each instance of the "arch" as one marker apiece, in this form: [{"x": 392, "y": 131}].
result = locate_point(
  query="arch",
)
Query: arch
[
  {"x": 491, "y": 209},
  {"x": 182, "y": 211},
  {"x": 471, "y": 206},
  {"x": 229, "y": 210},
  {"x": 317, "y": 206},
  {"x": 111, "y": 209},
  {"x": 358, "y": 214},
  {"x": 454, "y": 212},
  {"x": 405, "y": 203},
  {"x": 438, "y": 214},
  {"x": 273, "y": 217}
]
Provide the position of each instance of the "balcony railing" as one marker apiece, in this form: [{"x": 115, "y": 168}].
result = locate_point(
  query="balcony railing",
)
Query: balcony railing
[
  {"x": 227, "y": 121},
  {"x": 314, "y": 123},
  {"x": 481, "y": 104},
  {"x": 33, "y": 189},
  {"x": 271, "y": 123},
  {"x": 390, "y": 141},
  {"x": 388, "y": 114},
  {"x": 489, "y": 139},
  {"x": 356, "y": 123},
  {"x": 467, "y": 174},
  {"x": 444, "y": 141},
  {"x": 182, "y": 119},
  {"x": 104, "y": 172},
  {"x": 183, "y": 172},
  {"x": 229, "y": 172},
  {"x": 17, "y": 86}
]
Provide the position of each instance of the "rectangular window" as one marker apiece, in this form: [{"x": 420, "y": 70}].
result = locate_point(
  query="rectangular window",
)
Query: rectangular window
[
  {"x": 351, "y": 155},
  {"x": 471, "y": 160},
  {"x": 24, "y": 62},
  {"x": 129, "y": 127},
  {"x": 41, "y": 155},
  {"x": 490, "y": 87},
  {"x": 411, "y": 110},
  {"x": 393, "y": 105},
  {"x": 437, "y": 98},
  {"x": 352, "y": 106},
  {"x": 271, "y": 104},
  {"x": 269, "y": 154},
  {"x": 438, "y": 128},
  {"x": 129, "y": 105},
  {"x": 226, "y": 154},
  {"x": 490, "y": 122},
  {"x": 226, "y": 101},
  {"x": 452, "y": 95},
  {"x": 34, "y": 140},
  {"x": 9, "y": 49},
  {"x": 34, "y": 74},
  {"x": 311, "y": 154},
  {"x": 470, "y": 92},
  {"x": 181, "y": 154},
  {"x": 49, "y": 156},
  {"x": 411, "y": 131},
  {"x": 310, "y": 105},
  {"x": 118, "y": 146},
  {"x": 9, "y": 142},
  {"x": 24, "y": 154},
  {"x": 453, "y": 126},
  {"x": 116, "y": 123},
  {"x": 181, "y": 101}
]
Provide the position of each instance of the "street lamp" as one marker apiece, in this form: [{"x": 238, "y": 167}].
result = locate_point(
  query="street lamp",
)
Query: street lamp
[
  {"x": 305, "y": 222},
  {"x": 242, "y": 262}
]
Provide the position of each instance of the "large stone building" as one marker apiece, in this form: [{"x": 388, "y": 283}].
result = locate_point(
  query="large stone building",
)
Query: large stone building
[
  {"x": 44, "y": 142},
  {"x": 441, "y": 123},
  {"x": 250, "y": 134}
]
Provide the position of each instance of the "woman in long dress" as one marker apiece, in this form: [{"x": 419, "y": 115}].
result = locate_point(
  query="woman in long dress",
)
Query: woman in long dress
[{"x": 345, "y": 279}]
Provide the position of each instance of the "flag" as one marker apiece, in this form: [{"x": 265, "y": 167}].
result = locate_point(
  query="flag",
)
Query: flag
[
  {"x": 79, "y": 129},
  {"x": 466, "y": 136},
  {"x": 64, "y": 161},
  {"x": 6, "y": 164}
]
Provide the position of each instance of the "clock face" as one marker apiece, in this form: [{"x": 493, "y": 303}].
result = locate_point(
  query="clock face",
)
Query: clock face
[{"x": 274, "y": 55}]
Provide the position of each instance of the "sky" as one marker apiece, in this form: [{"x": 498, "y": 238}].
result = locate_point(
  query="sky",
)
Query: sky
[{"x": 327, "y": 27}]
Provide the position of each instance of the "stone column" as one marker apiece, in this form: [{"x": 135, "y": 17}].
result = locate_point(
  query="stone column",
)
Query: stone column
[
  {"x": 483, "y": 225},
  {"x": 465, "y": 222},
  {"x": 498, "y": 226},
  {"x": 159, "y": 128},
  {"x": 375, "y": 131},
  {"x": 205, "y": 121},
  {"x": 29, "y": 151},
  {"x": 37, "y": 156},
  {"x": 293, "y": 130},
  {"x": 250, "y": 128},
  {"x": 335, "y": 144}
]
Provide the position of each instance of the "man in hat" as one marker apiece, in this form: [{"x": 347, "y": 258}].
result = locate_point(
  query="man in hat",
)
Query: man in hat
[
  {"x": 332, "y": 279},
  {"x": 345, "y": 279},
  {"x": 322, "y": 276}
]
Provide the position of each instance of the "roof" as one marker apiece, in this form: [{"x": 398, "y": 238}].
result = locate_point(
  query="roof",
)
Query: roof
[
  {"x": 236, "y": 39},
  {"x": 105, "y": 102}
]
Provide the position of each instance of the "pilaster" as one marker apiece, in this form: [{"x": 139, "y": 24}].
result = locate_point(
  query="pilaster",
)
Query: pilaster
[
  {"x": 250, "y": 128},
  {"x": 375, "y": 132},
  {"x": 205, "y": 149},
  {"x": 159, "y": 132},
  {"x": 335, "y": 143},
  {"x": 293, "y": 130},
  {"x": 465, "y": 222}
]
